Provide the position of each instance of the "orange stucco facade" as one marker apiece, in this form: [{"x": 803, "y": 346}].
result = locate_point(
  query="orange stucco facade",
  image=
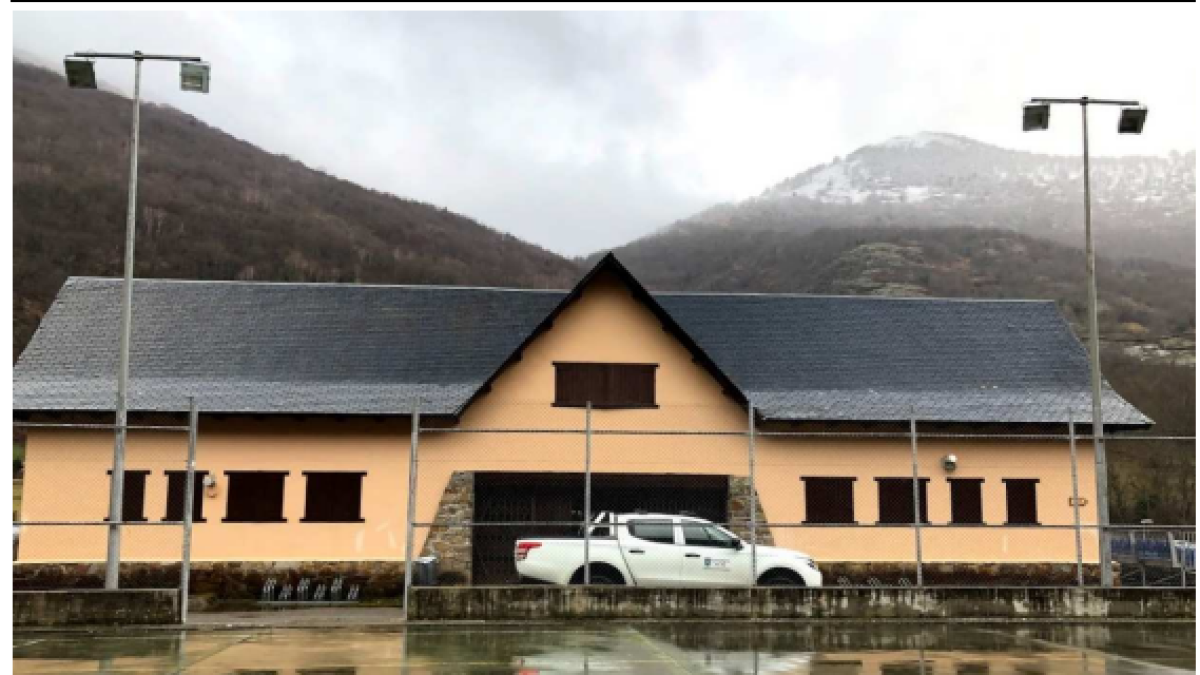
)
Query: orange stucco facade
[{"x": 66, "y": 470}]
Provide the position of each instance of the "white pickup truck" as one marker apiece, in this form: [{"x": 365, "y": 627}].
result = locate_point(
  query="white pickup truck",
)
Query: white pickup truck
[{"x": 642, "y": 549}]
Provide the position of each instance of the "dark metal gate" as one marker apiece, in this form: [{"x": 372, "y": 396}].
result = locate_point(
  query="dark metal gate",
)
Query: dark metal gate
[{"x": 534, "y": 498}]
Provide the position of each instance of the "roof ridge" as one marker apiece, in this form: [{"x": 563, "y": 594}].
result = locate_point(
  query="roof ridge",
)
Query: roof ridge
[
  {"x": 446, "y": 287},
  {"x": 340, "y": 284},
  {"x": 848, "y": 296}
]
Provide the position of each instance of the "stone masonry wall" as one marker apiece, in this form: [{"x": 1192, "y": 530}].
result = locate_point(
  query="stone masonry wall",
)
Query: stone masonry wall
[
  {"x": 452, "y": 545},
  {"x": 739, "y": 512}
]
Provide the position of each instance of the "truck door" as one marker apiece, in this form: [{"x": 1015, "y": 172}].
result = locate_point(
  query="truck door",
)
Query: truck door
[
  {"x": 711, "y": 557},
  {"x": 651, "y": 550}
]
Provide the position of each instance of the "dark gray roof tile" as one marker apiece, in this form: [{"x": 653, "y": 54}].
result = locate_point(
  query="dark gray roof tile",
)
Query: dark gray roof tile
[{"x": 354, "y": 349}]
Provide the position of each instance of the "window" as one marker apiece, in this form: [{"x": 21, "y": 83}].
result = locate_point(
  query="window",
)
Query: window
[
  {"x": 255, "y": 497},
  {"x": 828, "y": 500},
  {"x": 133, "y": 496},
  {"x": 176, "y": 495},
  {"x": 606, "y": 385},
  {"x": 966, "y": 501},
  {"x": 1022, "y": 500},
  {"x": 659, "y": 531},
  {"x": 696, "y": 534},
  {"x": 896, "y": 500},
  {"x": 333, "y": 497}
]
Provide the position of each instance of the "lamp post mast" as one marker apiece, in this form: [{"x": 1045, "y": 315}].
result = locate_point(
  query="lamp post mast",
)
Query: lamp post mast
[
  {"x": 1094, "y": 343},
  {"x": 81, "y": 75},
  {"x": 116, "y": 494},
  {"x": 1133, "y": 116}
]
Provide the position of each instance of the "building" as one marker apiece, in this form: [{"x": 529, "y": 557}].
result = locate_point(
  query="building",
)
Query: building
[{"x": 307, "y": 393}]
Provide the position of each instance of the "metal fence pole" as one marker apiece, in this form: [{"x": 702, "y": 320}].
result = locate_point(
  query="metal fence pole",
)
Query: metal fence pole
[
  {"x": 753, "y": 502},
  {"x": 912, "y": 432},
  {"x": 1075, "y": 501},
  {"x": 587, "y": 494},
  {"x": 410, "y": 516},
  {"x": 189, "y": 500}
]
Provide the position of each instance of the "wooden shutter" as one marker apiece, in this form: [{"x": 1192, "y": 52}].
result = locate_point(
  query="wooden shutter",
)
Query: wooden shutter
[
  {"x": 133, "y": 496},
  {"x": 255, "y": 496},
  {"x": 176, "y": 481},
  {"x": 828, "y": 500},
  {"x": 966, "y": 501},
  {"x": 896, "y": 500},
  {"x": 1022, "y": 500},
  {"x": 630, "y": 386},
  {"x": 333, "y": 497},
  {"x": 605, "y": 385}
]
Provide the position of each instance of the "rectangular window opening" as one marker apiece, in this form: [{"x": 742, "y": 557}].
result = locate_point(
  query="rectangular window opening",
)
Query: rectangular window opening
[
  {"x": 605, "y": 385},
  {"x": 966, "y": 501},
  {"x": 896, "y": 501},
  {"x": 176, "y": 495},
  {"x": 828, "y": 500},
  {"x": 1022, "y": 500},
  {"x": 133, "y": 496},
  {"x": 333, "y": 497},
  {"x": 255, "y": 497}
]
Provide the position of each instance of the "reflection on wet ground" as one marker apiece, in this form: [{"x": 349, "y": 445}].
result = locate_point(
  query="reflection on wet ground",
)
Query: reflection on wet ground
[{"x": 829, "y": 649}]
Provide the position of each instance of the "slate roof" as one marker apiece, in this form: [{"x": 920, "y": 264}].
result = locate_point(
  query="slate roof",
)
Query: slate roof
[{"x": 263, "y": 348}]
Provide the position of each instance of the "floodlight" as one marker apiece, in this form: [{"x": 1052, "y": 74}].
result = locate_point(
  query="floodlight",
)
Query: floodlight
[
  {"x": 81, "y": 73},
  {"x": 193, "y": 76},
  {"x": 1133, "y": 118},
  {"x": 1037, "y": 117}
]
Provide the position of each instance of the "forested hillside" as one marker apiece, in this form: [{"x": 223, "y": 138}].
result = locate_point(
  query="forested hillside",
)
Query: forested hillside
[{"x": 212, "y": 206}]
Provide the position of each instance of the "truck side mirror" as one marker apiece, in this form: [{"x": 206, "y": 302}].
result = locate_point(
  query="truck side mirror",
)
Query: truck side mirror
[{"x": 738, "y": 545}]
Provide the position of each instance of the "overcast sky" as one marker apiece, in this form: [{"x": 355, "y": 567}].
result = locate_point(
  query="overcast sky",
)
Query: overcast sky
[{"x": 583, "y": 131}]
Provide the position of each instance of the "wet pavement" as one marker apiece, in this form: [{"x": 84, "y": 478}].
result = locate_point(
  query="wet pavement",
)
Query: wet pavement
[{"x": 833, "y": 649}]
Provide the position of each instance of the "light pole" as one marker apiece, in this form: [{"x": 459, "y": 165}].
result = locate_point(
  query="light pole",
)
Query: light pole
[
  {"x": 1133, "y": 118},
  {"x": 81, "y": 74}
]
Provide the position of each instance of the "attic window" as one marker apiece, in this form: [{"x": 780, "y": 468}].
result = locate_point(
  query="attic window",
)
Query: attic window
[{"x": 605, "y": 385}]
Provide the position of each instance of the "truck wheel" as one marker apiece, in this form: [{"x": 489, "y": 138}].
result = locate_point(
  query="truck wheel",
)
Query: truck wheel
[
  {"x": 781, "y": 578},
  {"x": 603, "y": 579},
  {"x": 602, "y": 575}
]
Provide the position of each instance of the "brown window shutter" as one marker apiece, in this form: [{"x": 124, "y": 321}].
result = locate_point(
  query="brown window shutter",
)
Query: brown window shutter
[
  {"x": 966, "y": 501},
  {"x": 1022, "y": 500},
  {"x": 176, "y": 495},
  {"x": 896, "y": 500},
  {"x": 605, "y": 385},
  {"x": 828, "y": 500},
  {"x": 255, "y": 496}
]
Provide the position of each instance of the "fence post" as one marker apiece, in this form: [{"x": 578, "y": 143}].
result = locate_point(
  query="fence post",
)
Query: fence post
[
  {"x": 410, "y": 517},
  {"x": 1075, "y": 500},
  {"x": 912, "y": 431},
  {"x": 753, "y": 503},
  {"x": 189, "y": 497},
  {"x": 587, "y": 494}
]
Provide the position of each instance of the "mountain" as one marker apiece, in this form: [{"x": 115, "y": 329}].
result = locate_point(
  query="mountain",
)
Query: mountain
[
  {"x": 211, "y": 206},
  {"x": 1142, "y": 206},
  {"x": 1142, "y": 301}
]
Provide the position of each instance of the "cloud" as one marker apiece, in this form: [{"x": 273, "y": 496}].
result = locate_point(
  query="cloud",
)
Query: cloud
[{"x": 581, "y": 131}]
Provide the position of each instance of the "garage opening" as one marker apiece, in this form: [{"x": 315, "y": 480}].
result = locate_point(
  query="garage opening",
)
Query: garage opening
[{"x": 530, "y": 497}]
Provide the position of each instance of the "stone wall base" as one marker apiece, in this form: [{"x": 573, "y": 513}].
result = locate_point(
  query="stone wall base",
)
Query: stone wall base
[
  {"x": 52, "y": 609},
  {"x": 224, "y": 580},
  {"x": 385, "y": 579},
  {"x": 551, "y": 603},
  {"x": 955, "y": 574}
]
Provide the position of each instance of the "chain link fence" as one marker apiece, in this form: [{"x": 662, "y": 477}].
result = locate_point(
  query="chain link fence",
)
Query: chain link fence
[
  {"x": 899, "y": 503},
  {"x": 63, "y": 532},
  {"x": 896, "y": 503}
]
